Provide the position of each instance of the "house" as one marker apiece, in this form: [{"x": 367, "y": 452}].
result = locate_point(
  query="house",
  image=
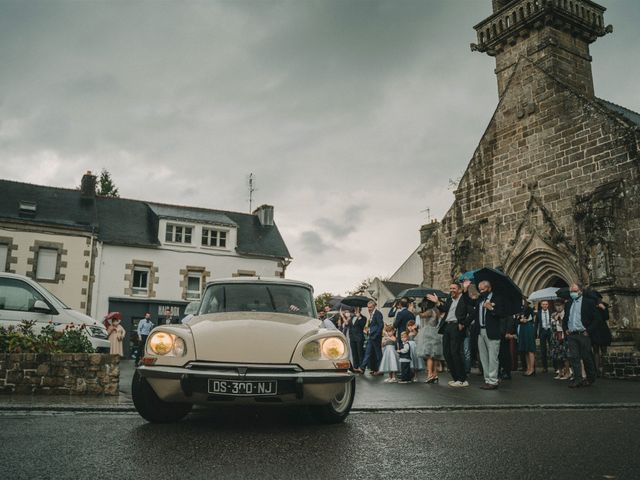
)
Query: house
[{"x": 103, "y": 254}]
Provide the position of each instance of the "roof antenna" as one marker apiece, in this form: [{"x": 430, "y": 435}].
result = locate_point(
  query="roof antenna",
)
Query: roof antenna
[
  {"x": 427, "y": 212},
  {"x": 251, "y": 190}
]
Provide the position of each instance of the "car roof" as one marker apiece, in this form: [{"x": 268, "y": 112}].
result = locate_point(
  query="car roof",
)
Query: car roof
[{"x": 265, "y": 280}]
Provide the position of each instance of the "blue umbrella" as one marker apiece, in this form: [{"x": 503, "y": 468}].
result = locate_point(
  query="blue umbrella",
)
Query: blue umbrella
[{"x": 468, "y": 275}]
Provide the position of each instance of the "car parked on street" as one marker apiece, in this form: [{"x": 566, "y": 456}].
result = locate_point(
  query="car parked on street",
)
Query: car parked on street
[
  {"x": 24, "y": 299},
  {"x": 254, "y": 341}
]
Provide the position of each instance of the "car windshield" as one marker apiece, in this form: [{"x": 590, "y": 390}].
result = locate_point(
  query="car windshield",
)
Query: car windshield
[{"x": 247, "y": 297}]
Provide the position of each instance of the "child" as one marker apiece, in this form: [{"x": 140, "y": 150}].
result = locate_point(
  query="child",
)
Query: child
[
  {"x": 417, "y": 363},
  {"x": 405, "y": 359},
  {"x": 389, "y": 362}
]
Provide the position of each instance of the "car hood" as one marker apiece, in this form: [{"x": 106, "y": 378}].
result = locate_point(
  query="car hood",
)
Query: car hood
[
  {"x": 80, "y": 318},
  {"x": 242, "y": 337}
]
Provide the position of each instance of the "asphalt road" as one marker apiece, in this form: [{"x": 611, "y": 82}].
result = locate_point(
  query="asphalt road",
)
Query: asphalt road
[{"x": 245, "y": 444}]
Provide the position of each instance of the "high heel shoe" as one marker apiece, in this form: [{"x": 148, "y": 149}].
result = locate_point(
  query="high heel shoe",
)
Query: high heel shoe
[
  {"x": 432, "y": 380},
  {"x": 532, "y": 374}
]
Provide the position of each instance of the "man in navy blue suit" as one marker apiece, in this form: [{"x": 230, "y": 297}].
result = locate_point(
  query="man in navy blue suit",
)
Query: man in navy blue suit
[{"x": 373, "y": 351}]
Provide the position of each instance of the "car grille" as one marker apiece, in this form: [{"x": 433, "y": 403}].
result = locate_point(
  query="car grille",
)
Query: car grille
[{"x": 262, "y": 369}]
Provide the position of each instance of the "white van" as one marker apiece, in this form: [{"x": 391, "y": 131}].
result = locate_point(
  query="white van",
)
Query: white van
[{"x": 23, "y": 299}]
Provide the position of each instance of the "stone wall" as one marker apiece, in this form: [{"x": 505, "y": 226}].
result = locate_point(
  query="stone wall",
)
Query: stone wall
[
  {"x": 622, "y": 365},
  {"x": 59, "y": 374}
]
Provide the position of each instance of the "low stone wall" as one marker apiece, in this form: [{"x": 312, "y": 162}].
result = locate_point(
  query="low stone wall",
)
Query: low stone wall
[
  {"x": 622, "y": 365},
  {"x": 59, "y": 373}
]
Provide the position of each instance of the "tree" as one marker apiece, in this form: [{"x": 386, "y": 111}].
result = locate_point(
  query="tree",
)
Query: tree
[
  {"x": 362, "y": 288},
  {"x": 105, "y": 186},
  {"x": 322, "y": 300}
]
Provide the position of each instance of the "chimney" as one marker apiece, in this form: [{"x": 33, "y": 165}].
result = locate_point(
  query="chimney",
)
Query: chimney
[
  {"x": 88, "y": 185},
  {"x": 264, "y": 214}
]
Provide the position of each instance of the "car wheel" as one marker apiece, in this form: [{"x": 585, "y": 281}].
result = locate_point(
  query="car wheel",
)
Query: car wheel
[
  {"x": 339, "y": 407},
  {"x": 151, "y": 408}
]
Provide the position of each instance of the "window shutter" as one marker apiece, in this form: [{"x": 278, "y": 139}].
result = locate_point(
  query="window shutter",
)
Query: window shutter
[
  {"x": 47, "y": 262},
  {"x": 4, "y": 252}
]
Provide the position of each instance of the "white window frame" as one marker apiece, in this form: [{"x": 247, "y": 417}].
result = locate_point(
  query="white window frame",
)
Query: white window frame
[
  {"x": 194, "y": 294},
  {"x": 140, "y": 291},
  {"x": 207, "y": 234},
  {"x": 47, "y": 271},
  {"x": 173, "y": 231}
]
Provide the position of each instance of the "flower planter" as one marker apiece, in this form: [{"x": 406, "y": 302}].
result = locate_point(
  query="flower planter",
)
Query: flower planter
[{"x": 59, "y": 373}]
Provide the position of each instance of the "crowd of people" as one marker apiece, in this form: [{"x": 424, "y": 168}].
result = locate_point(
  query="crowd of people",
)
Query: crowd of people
[{"x": 424, "y": 336}]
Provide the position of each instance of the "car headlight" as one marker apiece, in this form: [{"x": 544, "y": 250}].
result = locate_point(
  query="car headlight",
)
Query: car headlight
[
  {"x": 163, "y": 343},
  {"x": 329, "y": 348}
]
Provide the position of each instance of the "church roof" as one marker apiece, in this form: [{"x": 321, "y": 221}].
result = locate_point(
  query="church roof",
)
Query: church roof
[
  {"x": 625, "y": 112},
  {"x": 396, "y": 287}
]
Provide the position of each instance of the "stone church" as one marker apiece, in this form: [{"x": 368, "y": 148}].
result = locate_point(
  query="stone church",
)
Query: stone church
[{"x": 552, "y": 192}]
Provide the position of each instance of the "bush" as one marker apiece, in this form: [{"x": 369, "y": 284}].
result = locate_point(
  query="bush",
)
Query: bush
[{"x": 23, "y": 340}]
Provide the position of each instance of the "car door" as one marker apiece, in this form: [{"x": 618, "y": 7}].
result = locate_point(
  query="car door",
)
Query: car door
[{"x": 17, "y": 299}]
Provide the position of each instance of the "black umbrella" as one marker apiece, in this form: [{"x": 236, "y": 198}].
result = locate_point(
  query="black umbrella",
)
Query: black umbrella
[
  {"x": 503, "y": 286},
  {"x": 389, "y": 303},
  {"x": 564, "y": 293},
  {"x": 420, "y": 292},
  {"x": 356, "y": 301},
  {"x": 336, "y": 303}
]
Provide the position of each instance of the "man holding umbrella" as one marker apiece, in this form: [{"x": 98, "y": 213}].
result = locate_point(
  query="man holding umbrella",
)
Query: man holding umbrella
[{"x": 499, "y": 298}]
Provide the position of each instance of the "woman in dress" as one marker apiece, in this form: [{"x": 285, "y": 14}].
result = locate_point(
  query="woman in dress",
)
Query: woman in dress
[
  {"x": 116, "y": 335},
  {"x": 558, "y": 345},
  {"x": 527, "y": 339},
  {"x": 390, "y": 362},
  {"x": 429, "y": 342}
]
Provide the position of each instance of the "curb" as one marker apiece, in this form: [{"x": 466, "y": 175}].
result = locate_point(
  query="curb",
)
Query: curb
[{"x": 126, "y": 408}]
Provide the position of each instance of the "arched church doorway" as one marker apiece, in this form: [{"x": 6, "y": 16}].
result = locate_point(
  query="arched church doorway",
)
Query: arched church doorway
[{"x": 556, "y": 282}]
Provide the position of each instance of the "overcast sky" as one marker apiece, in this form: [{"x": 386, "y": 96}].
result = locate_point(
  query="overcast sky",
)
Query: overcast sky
[{"x": 352, "y": 115}]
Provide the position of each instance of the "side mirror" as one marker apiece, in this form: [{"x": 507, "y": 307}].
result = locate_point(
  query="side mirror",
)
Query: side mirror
[{"x": 41, "y": 307}]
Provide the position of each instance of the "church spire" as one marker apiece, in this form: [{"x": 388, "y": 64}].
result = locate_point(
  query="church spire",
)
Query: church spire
[{"x": 553, "y": 33}]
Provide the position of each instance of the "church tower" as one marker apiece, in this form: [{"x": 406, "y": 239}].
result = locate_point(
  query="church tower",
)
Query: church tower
[{"x": 555, "y": 34}]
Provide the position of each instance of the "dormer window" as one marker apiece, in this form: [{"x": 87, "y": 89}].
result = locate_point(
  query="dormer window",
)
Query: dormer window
[
  {"x": 178, "y": 233},
  {"x": 27, "y": 208},
  {"x": 214, "y": 238}
]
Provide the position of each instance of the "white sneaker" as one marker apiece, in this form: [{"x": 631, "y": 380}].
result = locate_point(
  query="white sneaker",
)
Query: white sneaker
[
  {"x": 393, "y": 380},
  {"x": 452, "y": 383},
  {"x": 463, "y": 384},
  {"x": 456, "y": 384}
]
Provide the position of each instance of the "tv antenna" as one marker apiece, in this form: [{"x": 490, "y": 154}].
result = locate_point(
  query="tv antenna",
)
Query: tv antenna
[
  {"x": 427, "y": 212},
  {"x": 252, "y": 188}
]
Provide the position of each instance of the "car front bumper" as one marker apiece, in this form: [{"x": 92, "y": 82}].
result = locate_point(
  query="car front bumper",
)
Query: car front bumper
[{"x": 190, "y": 383}]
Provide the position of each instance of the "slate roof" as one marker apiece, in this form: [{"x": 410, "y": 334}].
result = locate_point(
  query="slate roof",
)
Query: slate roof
[
  {"x": 121, "y": 221},
  {"x": 396, "y": 287},
  {"x": 630, "y": 115},
  {"x": 59, "y": 207},
  {"x": 126, "y": 222},
  {"x": 203, "y": 215}
]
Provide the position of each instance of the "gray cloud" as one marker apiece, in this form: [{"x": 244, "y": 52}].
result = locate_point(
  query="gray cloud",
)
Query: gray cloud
[
  {"x": 352, "y": 114},
  {"x": 313, "y": 243}
]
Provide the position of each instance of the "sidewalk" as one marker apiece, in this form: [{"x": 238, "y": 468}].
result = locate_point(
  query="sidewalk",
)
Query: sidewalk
[{"x": 372, "y": 394}]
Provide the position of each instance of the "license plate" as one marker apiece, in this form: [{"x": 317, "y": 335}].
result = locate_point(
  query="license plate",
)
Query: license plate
[{"x": 243, "y": 388}]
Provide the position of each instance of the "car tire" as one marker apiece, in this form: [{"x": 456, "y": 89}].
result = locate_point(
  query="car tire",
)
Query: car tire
[
  {"x": 339, "y": 408},
  {"x": 151, "y": 408}
]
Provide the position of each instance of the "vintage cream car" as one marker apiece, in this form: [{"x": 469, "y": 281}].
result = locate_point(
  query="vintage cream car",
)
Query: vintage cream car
[{"x": 253, "y": 341}]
